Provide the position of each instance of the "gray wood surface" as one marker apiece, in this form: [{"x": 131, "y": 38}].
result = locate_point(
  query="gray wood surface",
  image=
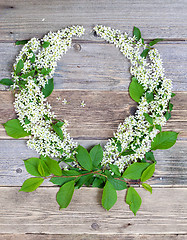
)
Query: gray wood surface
[
  {"x": 100, "y": 66},
  {"x": 96, "y": 72},
  {"x": 38, "y": 212}
]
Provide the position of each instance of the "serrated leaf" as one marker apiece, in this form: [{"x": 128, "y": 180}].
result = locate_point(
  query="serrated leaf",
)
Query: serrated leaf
[
  {"x": 147, "y": 187},
  {"x": 137, "y": 33},
  {"x": 115, "y": 169},
  {"x": 148, "y": 118},
  {"x": 133, "y": 199},
  {"x": 19, "y": 66},
  {"x": 149, "y": 97},
  {"x": 134, "y": 171},
  {"x": 164, "y": 140},
  {"x": 83, "y": 158},
  {"x": 21, "y": 42},
  {"x": 118, "y": 184},
  {"x": 6, "y": 81},
  {"x": 96, "y": 155},
  {"x": 145, "y": 53},
  {"x": 167, "y": 115},
  {"x": 64, "y": 195},
  {"x": 26, "y": 75},
  {"x": 48, "y": 89},
  {"x": 118, "y": 146},
  {"x": 155, "y": 41},
  {"x": 150, "y": 156},
  {"x": 109, "y": 196},
  {"x": 53, "y": 166},
  {"x": 43, "y": 169},
  {"x": 148, "y": 172},
  {"x": 58, "y": 131},
  {"x": 31, "y": 184},
  {"x": 31, "y": 166},
  {"x": 70, "y": 173},
  {"x": 173, "y": 94},
  {"x": 14, "y": 129},
  {"x": 170, "y": 106},
  {"x": 45, "y": 44},
  {"x": 135, "y": 90},
  {"x": 61, "y": 180},
  {"x": 45, "y": 71}
]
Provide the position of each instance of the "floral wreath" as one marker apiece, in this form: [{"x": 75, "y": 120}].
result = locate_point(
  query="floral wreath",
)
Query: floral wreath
[{"x": 126, "y": 156}]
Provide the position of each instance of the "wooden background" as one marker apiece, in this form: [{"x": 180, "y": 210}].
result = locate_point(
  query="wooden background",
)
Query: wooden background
[{"x": 97, "y": 73}]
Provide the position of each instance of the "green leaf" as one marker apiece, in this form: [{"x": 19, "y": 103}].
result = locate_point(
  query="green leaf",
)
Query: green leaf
[
  {"x": 135, "y": 90},
  {"x": 98, "y": 182},
  {"x": 167, "y": 115},
  {"x": 26, "y": 75},
  {"x": 144, "y": 53},
  {"x": 158, "y": 127},
  {"x": 148, "y": 118},
  {"x": 149, "y": 156},
  {"x": 53, "y": 166},
  {"x": 173, "y": 94},
  {"x": 170, "y": 106},
  {"x": 31, "y": 184},
  {"x": 115, "y": 169},
  {"x": 137, "y": 33},
  {"x": 43, "y": 169},
  {"x": 58, "y": 131},
  {"x": 117, "y": 183},
  {"x": 19, "y": 66},
  {"x": 83, "y": 180},
  {"x": 31, "y": 166},
  {"x": 148, "y": 172},
  {"x": 59, "y": 124},
  {"x": 45, "y": 44},
  {"x": 83, "y": 158},
  {"x": 48, "y": 89},
  {"x": 61, "y": 180},
  {"x": 14, "y": 129},
  {"x": 133, "y": 199},
  {"x": 147, "y": 187},
  {"x": 27, "y": 120},
  {"x": 32, "y": 59},
  {"x": 70, "y": 173},
  {"x": 149, "y": 97},
  {"x": 155, "y": 41},
  {"x": 6, "y": 81},
  {"x": 127, "y": 152},
  {"x": 64, "y": 195},
  {"x": 109, "y": 196},
  {"x": 96, "y": 155},
  {"x": 134, "y": 171},
  {"x": 45, "y": 71},
  {"x": 21, "y": 42},
  {"x": 164, "y": 140}
]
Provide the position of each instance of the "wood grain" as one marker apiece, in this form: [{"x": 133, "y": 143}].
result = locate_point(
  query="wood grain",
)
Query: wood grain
[
  {"x": 103, "y": 112},
  {"x": 37, "y": 212},
  {"x": 100, "y": 66},
  {"x": 33, "y": 236},
  {"x": 23, "y": 19},
  {"x": 171, "y": 168}
]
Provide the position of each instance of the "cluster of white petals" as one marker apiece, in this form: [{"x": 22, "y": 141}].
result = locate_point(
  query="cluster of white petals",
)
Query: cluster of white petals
[
  {"x": 136, "y": 133},
  {"x": 34, "y": 112}
]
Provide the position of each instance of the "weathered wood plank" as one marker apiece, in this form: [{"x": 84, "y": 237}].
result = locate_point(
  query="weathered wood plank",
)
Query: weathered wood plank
[
  {"x": 101, "y": 66},
  {"x": 163, "y": 212},
  {"x": 171, "y": 168},
  {"x": 23, "y": 19},
  {"x": 103, "y": 112},
  {"x": 33, "y": 236}
]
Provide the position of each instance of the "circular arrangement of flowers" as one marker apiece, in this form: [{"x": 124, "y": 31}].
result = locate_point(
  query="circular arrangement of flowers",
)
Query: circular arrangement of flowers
[{"x": 127, "y": 155}]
